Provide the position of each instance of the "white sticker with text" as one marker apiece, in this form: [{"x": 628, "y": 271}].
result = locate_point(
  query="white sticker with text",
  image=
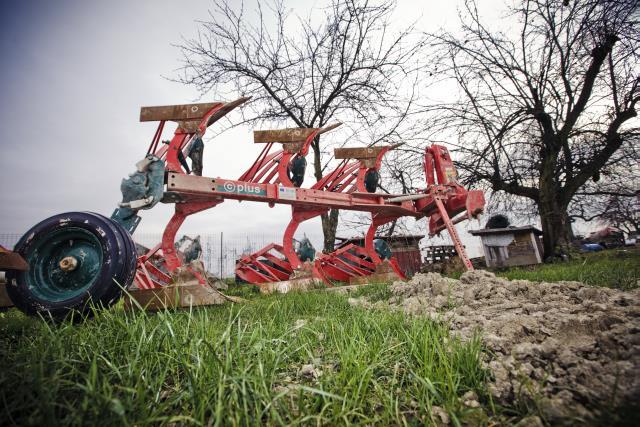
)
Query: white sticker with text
[{"x": 287, "y": 193}]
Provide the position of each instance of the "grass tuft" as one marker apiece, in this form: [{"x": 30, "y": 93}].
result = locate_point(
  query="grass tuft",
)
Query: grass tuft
[
  {"x": 300, "y": 358},
  {"x": 236, "y": 364},
  {"x": 618, "y": 269}
]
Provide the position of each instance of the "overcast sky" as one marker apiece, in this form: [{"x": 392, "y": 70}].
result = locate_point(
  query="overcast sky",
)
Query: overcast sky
[{"x": 74, "y": 75}]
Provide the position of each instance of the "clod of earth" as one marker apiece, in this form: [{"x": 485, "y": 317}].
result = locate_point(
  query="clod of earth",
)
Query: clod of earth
[
  {"x": 570, "y": 349},
  {"x": 309, "y": 371},
  {"x": 440, "y": 417}
]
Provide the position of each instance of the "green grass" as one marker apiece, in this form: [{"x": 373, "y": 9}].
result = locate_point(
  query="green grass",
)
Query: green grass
[
  {"x": 240, "y": 364},
  {"x": 612, "y": 268},
  {"x": 617, "y": 268},
  {"x": 237, "y": 365},
  {"x": 242, "y": 290},
  {"x": 374, "y": 292}
]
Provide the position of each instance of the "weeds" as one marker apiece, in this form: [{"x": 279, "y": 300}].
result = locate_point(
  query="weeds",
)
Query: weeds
[
  {"x": 236, "y": 365},
  {"x": 374, "y": 292},
  {"x": 243, "y": 364},
  {"x": 618, "y": 269}
]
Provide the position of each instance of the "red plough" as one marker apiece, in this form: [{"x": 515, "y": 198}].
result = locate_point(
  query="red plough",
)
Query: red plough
[
  {"x": 264, "y": 266},
  {"x": 275, "y": 177}
]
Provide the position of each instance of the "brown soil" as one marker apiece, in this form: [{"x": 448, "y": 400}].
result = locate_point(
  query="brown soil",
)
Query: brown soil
[{"x": 568, "y": 349}]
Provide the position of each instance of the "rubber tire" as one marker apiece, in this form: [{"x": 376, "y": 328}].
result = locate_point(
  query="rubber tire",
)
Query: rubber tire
[
  {"x": 130, "y": 255},
  {"x": 118, "y": 263}
]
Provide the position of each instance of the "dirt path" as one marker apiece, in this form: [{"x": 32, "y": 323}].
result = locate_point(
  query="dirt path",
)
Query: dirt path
[{"x": 567, "y": 348}]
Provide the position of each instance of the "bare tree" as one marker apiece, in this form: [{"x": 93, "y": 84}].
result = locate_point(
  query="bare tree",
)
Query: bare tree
[
  {"x": 546, "y": 104},
  {"x": 347, "y": 66},
  {"x": 623, "y": 213},
  {"x": 611, "y": 201}
]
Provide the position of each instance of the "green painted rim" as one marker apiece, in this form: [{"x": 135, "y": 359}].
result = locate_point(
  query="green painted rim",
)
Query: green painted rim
[{"x": 45, "y": 278}]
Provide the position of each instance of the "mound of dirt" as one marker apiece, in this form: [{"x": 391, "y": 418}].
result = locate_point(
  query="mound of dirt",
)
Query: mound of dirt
[{"x": 568, "y": 348}]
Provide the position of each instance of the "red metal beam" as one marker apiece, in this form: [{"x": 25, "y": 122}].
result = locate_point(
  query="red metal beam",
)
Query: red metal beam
[{"x": 216, "y": 188}]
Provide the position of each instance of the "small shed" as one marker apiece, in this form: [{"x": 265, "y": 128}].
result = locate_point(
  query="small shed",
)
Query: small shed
[
  {"x": 404, "y": 249},
  {"x": 511, "y": 246}
]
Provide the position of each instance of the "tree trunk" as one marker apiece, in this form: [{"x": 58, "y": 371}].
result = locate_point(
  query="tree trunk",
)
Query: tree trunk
[
  {"x": 551, "y": 206},
  {"x": 329, "y": 227},
  {"x": 330, "y": 220},
  {"x": 551, "y": 229},
  {"x": 553, "y": 217},
  {"x": 571, "y": 237}
]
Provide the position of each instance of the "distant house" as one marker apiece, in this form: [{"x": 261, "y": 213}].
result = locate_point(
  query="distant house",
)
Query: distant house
[{"x": 511, "y": 246}]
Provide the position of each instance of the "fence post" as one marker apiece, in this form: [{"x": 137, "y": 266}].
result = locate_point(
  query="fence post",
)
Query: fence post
[{"x": 221, "y": 252}]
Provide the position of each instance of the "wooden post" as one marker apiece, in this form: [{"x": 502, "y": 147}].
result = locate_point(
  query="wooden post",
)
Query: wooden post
[{"x": 5, "y": 301}]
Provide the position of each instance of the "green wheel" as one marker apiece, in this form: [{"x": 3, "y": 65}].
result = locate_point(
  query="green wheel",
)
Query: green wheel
[{"x": 75, "y": 259}]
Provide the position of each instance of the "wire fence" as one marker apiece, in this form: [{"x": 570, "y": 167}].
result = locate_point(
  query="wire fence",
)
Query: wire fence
[
  {"x": 8, "y": 240},
  {"x": 221, "y": 250}
]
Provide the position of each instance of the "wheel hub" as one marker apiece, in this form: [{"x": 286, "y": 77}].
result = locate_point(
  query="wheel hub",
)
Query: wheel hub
[
  {"x": 64, "y": 263},
  {"x": 68, "y": 263},
  {"x": 78, "y": 261}
]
